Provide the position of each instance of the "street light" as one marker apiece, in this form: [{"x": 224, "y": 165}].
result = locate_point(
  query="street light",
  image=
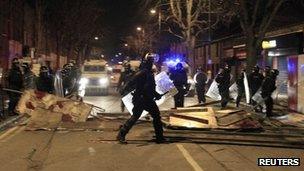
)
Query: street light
[
  {"x": 126, "y": 45},
  {"x": 96, "y": 38},
  {"x": 153, "y": 11},
  {"x": 138, "y": 28}
]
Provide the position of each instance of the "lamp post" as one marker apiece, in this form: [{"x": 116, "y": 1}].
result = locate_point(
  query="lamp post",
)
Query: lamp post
[{"x": 153, "y": 12}]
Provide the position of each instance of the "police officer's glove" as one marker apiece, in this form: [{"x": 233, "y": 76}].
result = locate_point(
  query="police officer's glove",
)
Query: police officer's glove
[
  {"x": 157, "y": 96},
  {"x": 121, "y": 91}
]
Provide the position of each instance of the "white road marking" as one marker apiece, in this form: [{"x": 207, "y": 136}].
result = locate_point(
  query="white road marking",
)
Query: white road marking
[
  {"x": 188, "y": 157},
  {"x": 92, "y": 151},
  {"x": 13, "y": 134},
  {"x": 7, "y": 133}
]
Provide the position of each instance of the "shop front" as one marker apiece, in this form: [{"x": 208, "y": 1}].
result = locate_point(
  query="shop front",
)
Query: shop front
[{"x": 277, "y": 51}]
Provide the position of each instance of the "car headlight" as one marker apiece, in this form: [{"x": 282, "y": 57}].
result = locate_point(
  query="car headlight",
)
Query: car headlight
[
  {"x": 103, "y": 81},
  {"x": 84, "y": 81}
]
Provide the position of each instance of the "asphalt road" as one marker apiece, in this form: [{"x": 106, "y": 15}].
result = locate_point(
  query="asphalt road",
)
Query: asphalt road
[{"x": 98, "y": 150}]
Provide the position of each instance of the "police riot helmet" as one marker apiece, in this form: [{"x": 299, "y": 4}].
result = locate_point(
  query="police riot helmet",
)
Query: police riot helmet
[
  {"x": 227, "y": 69},
  {"x": 148, "y": 60},
  {"x": 15, "y": 61},
  {"x": 151, "y": 57},
  {"x": 274, "y": 72},
  {"x": 44, "y": 69},
  {"x": 256, "y": 68},
  {"x": 179, "y": 66}
]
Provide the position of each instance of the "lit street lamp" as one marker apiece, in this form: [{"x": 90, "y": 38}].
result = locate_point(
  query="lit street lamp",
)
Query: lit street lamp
[
  {"x": 138, "y": 28},
  {"x": 126, "y": 45},
  {"x": 153, "y": 11},
  {"x": 96, "y": 38}
]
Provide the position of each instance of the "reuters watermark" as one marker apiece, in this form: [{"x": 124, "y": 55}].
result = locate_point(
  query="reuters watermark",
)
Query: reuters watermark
[{"x": 278, "y": 162}]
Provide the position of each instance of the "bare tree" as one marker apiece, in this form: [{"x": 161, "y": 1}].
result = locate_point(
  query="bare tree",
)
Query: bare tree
[
  {"x": 255, "y": 18},
  {"x": 73, "y": 24},
  {"x": 187, "y": 19}
]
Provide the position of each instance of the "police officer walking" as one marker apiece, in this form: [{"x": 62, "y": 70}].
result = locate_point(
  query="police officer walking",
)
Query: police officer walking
[
  {"x": 45, "y": 81},
  {"x": 200, "y": 79},
  {"x": 240, "y": 87},
  {"x": 143, "y": 99},
  {"x": 125, "y": 76},
  {"x": 28, "y": 77},
  {"x": 255, "y": 80},
  {"x": 15, "y": 82},
  {"x": 223, "y": 80},
  {"x": 179, "y": 78},
  {"x": 268, "y": 87}
]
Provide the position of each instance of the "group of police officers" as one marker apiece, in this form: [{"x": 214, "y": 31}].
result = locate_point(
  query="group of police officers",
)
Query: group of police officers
[
  {"x": 20, "y": 77},
  {"x": 142, "y": 84},
  {"x": 262, "y": 84}
]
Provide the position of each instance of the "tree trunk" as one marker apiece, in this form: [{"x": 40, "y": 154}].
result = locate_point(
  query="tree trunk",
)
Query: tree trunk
[{"x": 251, "y": 53}]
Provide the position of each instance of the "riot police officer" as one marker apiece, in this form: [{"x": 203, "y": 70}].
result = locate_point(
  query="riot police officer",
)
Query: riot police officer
[
  {"x": 179, "y": 78},
  {"x": 144, "y": 98},
  {"x": 223, "y": 80},
  {"x": 255, "y": 80},
  {"x": 15, "y": 82},
  {"x": 28, "y": 77},
  {"x": 125, "y": 76},
  {"x": 200, "y": 79},
  {"x": 267, "y": 71},
  {"x": 67, "y": 79},
  {"x": 268, "y": 87},
  {"x": 240, "y": 87},
  {"x": 45, "y": 81}
]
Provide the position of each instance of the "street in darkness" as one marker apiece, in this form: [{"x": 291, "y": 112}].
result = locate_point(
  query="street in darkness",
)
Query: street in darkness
[{"x": 151, "y": 85}]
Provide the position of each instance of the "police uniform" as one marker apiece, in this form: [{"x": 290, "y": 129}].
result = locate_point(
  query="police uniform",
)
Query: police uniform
[
  {"x": 255, "y": 80},
  {"x": 179, "y": 78},
  {"x": 223, "y": 80},
  {"x": 28, "y": 77},
  {"x": 268, "y": 87},
  {"x": 125, "y": 76},
  {"x": 15, "y": 82},
  {"x": 240, "y": 88},
  {"x": 144, "y": 98},
  {"x": 200, "y": 79},
  {"x": 45, "y": 82}
]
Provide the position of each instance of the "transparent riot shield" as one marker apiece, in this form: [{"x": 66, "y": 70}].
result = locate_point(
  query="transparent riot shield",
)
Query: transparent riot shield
[
  {"x": 58, "y": 84},
  {"x": 164, "y": 86}
]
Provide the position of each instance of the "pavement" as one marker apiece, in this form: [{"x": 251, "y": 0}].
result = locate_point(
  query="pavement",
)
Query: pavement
[{"x": 96, "y": 149}]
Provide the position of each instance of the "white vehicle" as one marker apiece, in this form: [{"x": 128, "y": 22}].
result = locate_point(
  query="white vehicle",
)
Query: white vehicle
[{"x": 95, "y": 79}]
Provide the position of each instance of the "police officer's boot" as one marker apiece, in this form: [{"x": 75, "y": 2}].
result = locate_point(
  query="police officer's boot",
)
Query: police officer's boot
[{"x": 121, "y": 136}]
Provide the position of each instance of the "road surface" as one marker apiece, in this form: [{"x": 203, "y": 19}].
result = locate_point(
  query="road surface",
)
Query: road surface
[{"x": 97, "y": 149}]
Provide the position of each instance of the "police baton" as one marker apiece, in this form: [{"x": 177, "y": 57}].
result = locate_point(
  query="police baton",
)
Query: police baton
[{"x": 13, "y": 91}]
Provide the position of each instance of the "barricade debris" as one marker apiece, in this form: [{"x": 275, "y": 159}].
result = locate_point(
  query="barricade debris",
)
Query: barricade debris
[
  {"x": 208, "y": 118},
  {"x": 47, "y": 110}
]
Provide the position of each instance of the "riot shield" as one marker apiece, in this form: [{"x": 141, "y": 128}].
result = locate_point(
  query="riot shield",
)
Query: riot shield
[{"x": 163, "y": 86}]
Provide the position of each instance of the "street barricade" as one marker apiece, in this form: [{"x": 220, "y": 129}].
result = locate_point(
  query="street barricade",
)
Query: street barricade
[{"x": 39, "y": 104}]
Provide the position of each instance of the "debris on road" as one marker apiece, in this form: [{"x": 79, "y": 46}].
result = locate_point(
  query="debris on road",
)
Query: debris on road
[{"x": 208, "y": 117}]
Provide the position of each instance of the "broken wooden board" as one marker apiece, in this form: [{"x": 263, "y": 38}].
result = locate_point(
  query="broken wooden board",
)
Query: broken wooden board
[
  {"x": 193, "y": 118},
  {"x": 236, "y": 119},
  {"x": 42, "y": 119},
  {"x": 292, "y": 119},
  {"x": 74, "y": 111}
]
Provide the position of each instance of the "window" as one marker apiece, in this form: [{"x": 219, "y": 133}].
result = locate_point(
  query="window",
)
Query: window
[
  {"x": 116, "y": 70},
  {"x": 94, "y": 68}
]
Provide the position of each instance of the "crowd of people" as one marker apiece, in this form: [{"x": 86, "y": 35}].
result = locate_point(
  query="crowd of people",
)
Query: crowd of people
[{"x": 20, "y": 77}]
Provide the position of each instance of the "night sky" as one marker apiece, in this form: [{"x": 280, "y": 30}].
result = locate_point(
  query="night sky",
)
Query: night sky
[{"x": 120, "y": 20}]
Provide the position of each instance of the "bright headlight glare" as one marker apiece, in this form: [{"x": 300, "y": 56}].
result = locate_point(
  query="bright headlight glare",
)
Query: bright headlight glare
[
  {"x": 84, "y": 81},
  {"x": 103, "y": 81}
]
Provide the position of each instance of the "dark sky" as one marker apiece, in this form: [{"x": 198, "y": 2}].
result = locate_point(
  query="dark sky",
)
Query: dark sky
[{"x": 120, "y": 20}]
